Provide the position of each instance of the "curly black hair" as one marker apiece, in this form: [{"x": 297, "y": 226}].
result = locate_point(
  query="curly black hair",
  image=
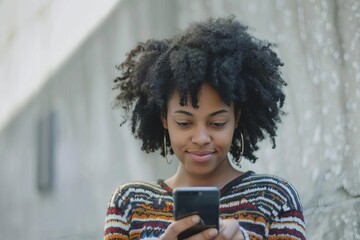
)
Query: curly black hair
[{"x": 243, "y": 69}]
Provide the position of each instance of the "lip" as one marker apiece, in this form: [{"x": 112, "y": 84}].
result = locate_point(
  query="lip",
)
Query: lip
[{"x": 200, "y": 156}]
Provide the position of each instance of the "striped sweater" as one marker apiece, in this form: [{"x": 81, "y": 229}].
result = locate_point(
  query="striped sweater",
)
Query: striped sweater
[{"x": 267, "y": 207}]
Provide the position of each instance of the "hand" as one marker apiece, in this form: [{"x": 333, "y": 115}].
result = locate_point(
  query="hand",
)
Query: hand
[
  {"x": 176, "y": 227},
  {"x": 229, "y": 229}
]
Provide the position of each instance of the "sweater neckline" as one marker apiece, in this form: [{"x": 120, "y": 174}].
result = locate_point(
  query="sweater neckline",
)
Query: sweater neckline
[{"x": 223, "y": 190}]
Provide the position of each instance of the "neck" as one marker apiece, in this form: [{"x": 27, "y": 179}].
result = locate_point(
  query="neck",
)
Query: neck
[{"x": 220, "y": 178}]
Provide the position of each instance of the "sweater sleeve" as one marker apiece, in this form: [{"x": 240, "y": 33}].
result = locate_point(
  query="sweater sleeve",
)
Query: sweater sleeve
[
  {"x": 117, "y": 221},
  {"x": 288, "y": 222},
  {"x": 288, "y": 225}
]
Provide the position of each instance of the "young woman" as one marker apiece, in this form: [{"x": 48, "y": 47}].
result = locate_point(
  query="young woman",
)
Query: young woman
[{"x": 207, "y": 95}]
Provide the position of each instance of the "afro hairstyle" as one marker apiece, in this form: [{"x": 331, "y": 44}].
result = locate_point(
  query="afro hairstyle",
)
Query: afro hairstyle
[{"x": 243, "y": 69}]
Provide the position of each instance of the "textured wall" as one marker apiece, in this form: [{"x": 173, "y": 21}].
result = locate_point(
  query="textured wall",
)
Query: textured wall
[
  {"x": 92, "y": 154},
  {"x": 316, "y": 145},
  {"x": 35, "y": 39}
]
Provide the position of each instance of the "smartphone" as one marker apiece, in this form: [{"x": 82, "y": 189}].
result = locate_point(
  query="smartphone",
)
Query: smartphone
[{"x": 203, "y": 201}]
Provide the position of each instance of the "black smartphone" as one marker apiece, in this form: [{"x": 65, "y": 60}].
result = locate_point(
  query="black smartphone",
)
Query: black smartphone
[{"x": 203, "y": 201}]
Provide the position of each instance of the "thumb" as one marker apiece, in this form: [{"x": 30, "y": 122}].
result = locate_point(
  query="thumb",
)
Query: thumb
[{"x": 221, "y": 224}]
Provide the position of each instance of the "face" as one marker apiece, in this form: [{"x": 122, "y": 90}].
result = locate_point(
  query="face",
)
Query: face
[{"x": 201, "y": 138}]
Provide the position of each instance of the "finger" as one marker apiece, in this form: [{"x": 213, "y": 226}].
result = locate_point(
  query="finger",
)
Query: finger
[
  {"x": 229, "y": 230},
  {"x": 239, "y": 235},
  {"x": 221, "y": 225},
  {"x": 207, "y": 234},
  {"x": 176, "y": 227}
]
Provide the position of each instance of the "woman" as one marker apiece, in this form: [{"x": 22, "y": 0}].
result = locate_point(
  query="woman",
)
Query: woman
[{"x": 207, "y": 95}]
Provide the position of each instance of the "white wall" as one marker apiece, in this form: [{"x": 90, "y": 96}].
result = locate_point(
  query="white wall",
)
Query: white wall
[{"x": 36, "y": 37}]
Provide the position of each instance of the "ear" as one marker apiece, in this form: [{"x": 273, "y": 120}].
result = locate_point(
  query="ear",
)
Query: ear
[{"x": 163, "y": 119}]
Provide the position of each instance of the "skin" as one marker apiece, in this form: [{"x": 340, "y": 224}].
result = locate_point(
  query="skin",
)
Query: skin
[{"x": 201, "y": 139}]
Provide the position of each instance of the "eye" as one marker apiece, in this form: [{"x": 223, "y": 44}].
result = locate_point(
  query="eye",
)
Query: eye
[
  {"x": 183, "y": 124},
  {"x": 218, "y": 124}
]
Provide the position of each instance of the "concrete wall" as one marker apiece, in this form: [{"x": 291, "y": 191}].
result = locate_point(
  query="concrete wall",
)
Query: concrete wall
[
  {"x": 36, "y": 38},
  {"x": 92, "y": 155},
  {"x": 316, "y": 147}
]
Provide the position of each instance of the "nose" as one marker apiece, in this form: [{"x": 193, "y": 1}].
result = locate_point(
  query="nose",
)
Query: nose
[{"x": 201, "y": 136}]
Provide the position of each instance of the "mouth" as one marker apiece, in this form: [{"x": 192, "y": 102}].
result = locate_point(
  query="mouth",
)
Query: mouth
[{"x": 200, "y": 156}]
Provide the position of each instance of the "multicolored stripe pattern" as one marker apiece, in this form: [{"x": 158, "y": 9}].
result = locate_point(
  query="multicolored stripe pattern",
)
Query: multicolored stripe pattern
[{"x": 267, "y": 207}]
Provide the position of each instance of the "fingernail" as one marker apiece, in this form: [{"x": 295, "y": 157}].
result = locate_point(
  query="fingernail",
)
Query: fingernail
[
  {"x": 212, "y": 232},
  {"x": 195, "y": 219}
]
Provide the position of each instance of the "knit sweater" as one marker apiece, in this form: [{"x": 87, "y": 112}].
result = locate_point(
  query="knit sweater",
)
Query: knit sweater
[{"x": 267, "y": 207}]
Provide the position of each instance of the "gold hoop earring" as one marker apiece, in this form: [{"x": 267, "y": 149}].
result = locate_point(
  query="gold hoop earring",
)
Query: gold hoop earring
[
  {"x": 165, "y": 149},
  {"x": 235, "y": 163}
]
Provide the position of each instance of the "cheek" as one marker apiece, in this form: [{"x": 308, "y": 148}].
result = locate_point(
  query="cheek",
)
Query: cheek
[
  {"x": 177, "y": 139},
  {"x": 224, "y": 138},
  {"x": 178, "y": 144}
]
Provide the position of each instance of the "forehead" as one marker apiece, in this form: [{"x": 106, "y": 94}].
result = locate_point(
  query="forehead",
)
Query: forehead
[{"x": 207, "y": 96}]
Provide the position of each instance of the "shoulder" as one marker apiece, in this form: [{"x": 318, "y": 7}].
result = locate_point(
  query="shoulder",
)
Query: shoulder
[
  {"x": 135, "y": 191},
  {"x": 273, "y": 188}
]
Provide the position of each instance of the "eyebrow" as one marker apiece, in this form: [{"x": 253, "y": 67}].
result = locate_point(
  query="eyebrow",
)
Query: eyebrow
[{"x": 211, "y": 115}]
